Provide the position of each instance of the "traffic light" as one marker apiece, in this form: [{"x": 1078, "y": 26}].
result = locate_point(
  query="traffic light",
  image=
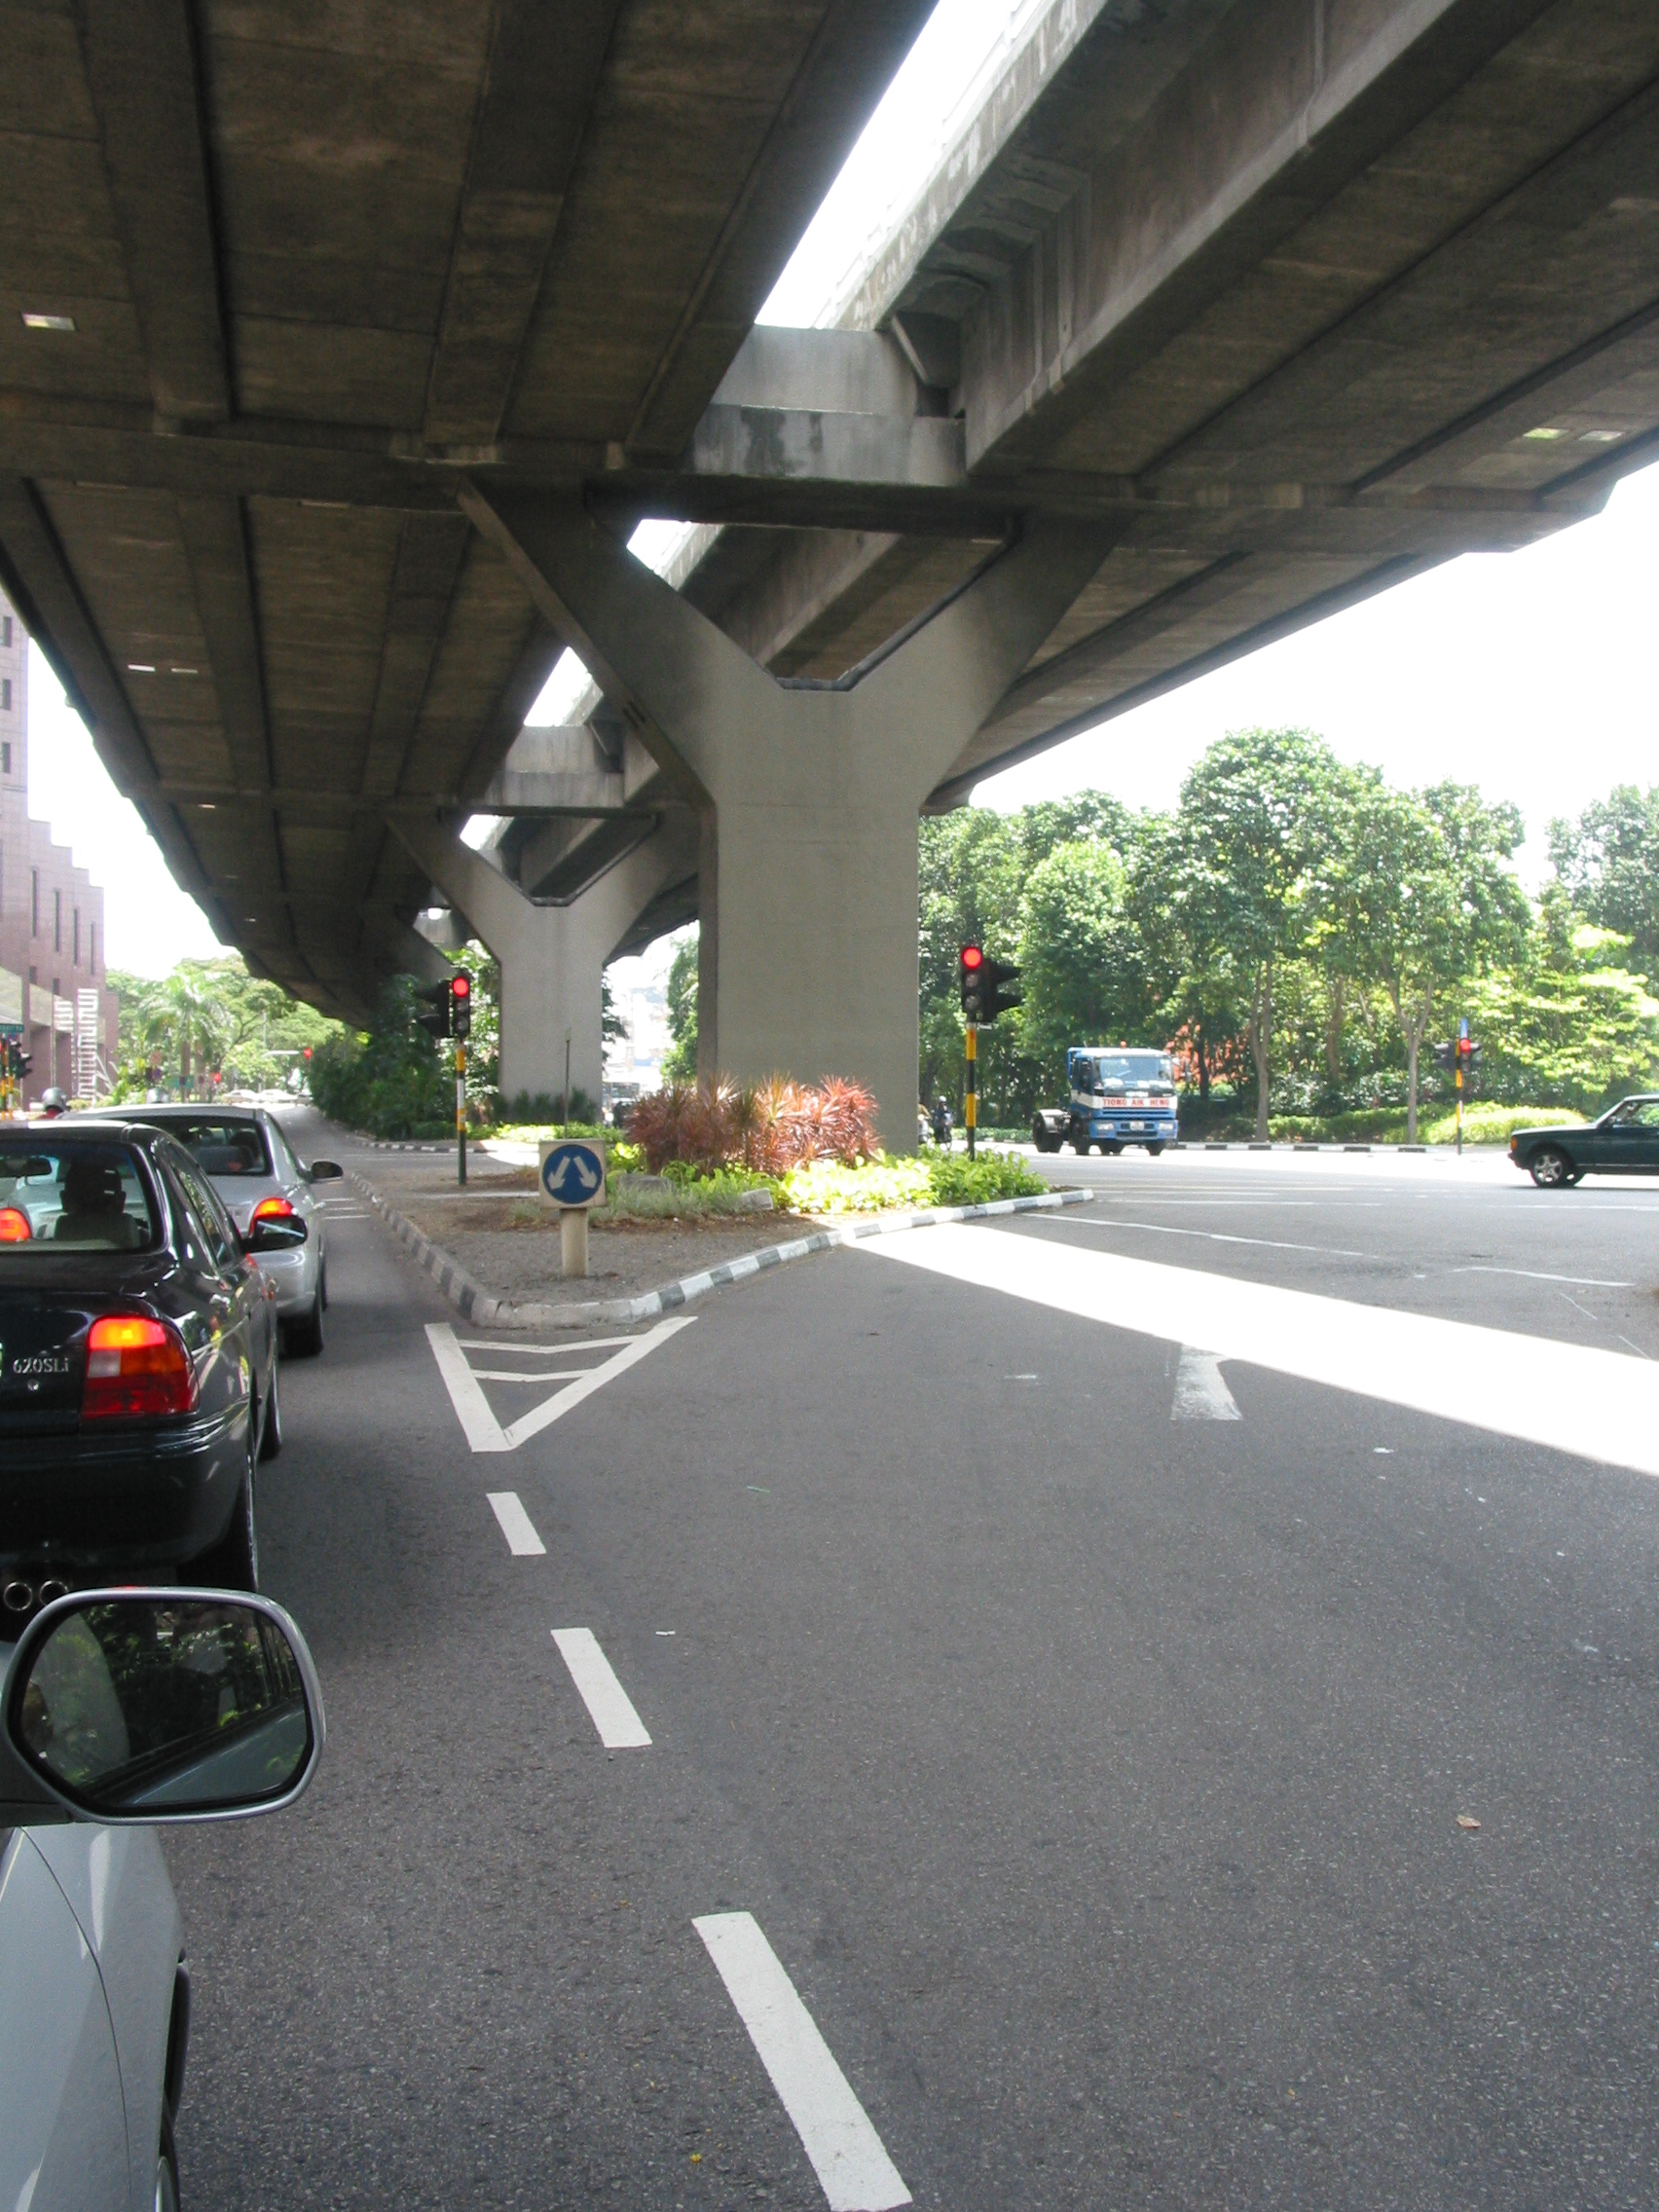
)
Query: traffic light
[
  {"x": 971, "y": 965},
  {"x": 1445, "y": 1056},
  {"x": 984, "y": 984},
  {"x": 461, "y": 1005},
  {"x": 437, "y": 997}
]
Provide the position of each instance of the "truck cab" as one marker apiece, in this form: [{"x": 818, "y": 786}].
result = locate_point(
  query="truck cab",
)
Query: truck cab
[{"x": 1119, "y": 1095}]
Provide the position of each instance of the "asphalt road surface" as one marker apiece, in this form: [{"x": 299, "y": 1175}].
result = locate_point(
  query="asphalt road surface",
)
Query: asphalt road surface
[{"x": 1063, "y": 1737}]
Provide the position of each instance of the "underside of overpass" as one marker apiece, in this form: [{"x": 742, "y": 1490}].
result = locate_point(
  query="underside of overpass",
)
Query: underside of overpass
[{"x": 343, "y": 347}]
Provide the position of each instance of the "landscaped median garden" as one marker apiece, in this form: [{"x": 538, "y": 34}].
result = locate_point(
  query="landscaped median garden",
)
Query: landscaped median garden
[{"x": 695, "y": 1150}]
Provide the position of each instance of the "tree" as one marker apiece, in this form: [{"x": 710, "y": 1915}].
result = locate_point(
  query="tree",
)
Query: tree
[
  {"x": 1609, "y": 860},
  {"x": 1568, "y": 1024},
  {"x": 679, "y": 1062},
  {"x": 1252, "y": 817},
  {"x": 1423, "y": 899},
  {"x": 1084, "y": 976}
]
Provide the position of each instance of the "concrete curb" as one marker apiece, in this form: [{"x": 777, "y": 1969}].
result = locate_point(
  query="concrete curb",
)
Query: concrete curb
[{"x": 477, "y": 1305}]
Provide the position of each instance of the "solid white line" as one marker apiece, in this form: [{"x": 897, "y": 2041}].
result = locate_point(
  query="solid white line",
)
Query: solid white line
[
  {"x": 1204, "y": 1236},
  {"x": 1536, "y": 1275},
  {"x": 1573, "y": 1398},
  {"x": 543, "y": 1352},
  {"x": 1200, "y": 1393},
  {"x": 483, "y": 1431},
  {"x": 516, "y": 1524},
  {"x": 847, "y": 2156},
  {"x": 620, "y": 1728}
]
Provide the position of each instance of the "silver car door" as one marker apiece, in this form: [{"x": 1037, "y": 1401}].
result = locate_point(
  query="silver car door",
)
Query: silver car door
[
  {"x": 118, "y": 1889},
  {"x": 63, "y": 2124}
]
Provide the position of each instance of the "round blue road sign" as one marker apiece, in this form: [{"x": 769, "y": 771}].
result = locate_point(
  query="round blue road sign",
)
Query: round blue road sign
[{"x": 572, "y": 1174}]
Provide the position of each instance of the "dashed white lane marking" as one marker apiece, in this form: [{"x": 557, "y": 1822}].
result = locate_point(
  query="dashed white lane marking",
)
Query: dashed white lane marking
[
  {"x": 620, "y": 1728},
  {"x": 847, "y": 2155},
  {"x": 1573, "y": 1398},
  {"x": 516, "y": 1524},
  {"x": 476, "y": 1415},
  {"x": 1200, "y": 1393}
]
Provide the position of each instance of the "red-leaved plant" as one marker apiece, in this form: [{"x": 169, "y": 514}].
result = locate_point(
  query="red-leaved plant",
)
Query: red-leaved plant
[{"x": 770, "y": 1128}]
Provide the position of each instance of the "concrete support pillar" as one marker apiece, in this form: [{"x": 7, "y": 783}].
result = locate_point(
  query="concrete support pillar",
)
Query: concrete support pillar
[
  {"x": 809, "y": 797},
  {"x": 552, "y": 958}
]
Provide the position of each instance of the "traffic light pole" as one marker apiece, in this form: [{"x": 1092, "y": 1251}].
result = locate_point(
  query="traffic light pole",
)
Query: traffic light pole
[
  {"x": 1460, "y": 1109},
  {"x": 971, "y": 1103},
  {"x": 461, "y": 1116}
]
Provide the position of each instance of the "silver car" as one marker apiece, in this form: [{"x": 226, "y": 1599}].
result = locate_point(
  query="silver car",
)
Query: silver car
[
  {"x": 122, "y": 1710},
  {"x": 249, "y": 1161}
]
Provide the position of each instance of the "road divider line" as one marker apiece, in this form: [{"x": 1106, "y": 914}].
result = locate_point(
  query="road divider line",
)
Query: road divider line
[
  {"x": 1572, "y": 1398},
  {"x": 516, "y": 1524},
  {"x": 482, "y": 1430},
  {"x": 847, "y": 2155},
  {"x": 609, "y": 1707},
  {"x": 1200, "y": 1393}
]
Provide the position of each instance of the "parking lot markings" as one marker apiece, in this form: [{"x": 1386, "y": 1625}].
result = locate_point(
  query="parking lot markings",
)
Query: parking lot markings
[
  {"x": 1200, "y": 1393},
  {"x": 516, "y": 1524},
  {"x": 847, "y": 2155},
  {"x": 620, "y": 1728}
]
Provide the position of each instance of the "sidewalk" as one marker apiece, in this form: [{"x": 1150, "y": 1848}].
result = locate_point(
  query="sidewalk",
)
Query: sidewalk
[{"x": 493, "y": 1248}]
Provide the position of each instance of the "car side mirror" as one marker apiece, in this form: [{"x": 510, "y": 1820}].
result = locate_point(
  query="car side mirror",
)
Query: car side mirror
[
  {"x": 152, "y": 1706},
  {"x": 324, "y": 1171},
  {"x": 276, "y": 1232}
]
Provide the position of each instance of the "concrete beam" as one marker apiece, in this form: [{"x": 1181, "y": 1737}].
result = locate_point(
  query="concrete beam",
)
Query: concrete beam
[
  {"x": 552, "y": 958},
  {"x": 807, "y": 872},
  {"x": 144, "y": 76}
]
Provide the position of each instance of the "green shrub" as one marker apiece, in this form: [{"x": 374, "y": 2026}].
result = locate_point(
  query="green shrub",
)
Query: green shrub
[{"x": 937, "y": 1179}]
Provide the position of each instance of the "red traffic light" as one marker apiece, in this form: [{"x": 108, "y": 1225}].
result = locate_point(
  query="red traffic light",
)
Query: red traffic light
[
  {"x": 460, "y": 986},
  {"x": 972, "y": 957}
]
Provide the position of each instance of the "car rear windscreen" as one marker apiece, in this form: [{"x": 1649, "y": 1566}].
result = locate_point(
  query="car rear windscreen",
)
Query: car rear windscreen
[
  {"x": 223, "y": 1144},
  {"x": 71, "y": 1198}
]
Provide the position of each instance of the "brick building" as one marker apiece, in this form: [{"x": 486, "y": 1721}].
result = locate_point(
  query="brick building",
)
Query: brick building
[{"x": 51, "y": 915}]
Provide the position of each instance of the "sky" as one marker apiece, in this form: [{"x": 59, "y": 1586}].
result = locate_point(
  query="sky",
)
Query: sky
[{"x": 1530, "y": 673}]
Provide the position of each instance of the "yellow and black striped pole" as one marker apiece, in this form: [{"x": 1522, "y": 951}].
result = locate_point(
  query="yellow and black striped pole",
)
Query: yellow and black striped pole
[
  {"x": 971, "y": 1104},
  {"x": 461, "y": 1113}
]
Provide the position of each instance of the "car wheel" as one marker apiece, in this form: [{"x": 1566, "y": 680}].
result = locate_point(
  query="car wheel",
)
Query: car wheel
[
  {"x": 233, "y": 1562},
  {"x": 1551, "y": 1169},
  {"x": 271, "y": 1440},
  {"x": 323, "y": 1284},
  {"x": 167, "y": 2172},
  {"x": 305, "y": 1335}
]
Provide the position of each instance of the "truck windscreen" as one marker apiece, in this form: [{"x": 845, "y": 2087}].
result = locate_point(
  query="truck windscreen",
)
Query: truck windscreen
[{"x": 1118, "y": 1071}]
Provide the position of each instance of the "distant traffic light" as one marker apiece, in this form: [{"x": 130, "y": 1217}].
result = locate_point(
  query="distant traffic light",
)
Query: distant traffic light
[
  {"x": 971, "y": 965},
  {"x": 995, "y": 996},
  {"x": 438, "y": 997},
  {"x": 460, "y": 1006},
  {"x": 1446, "y": 1056}
]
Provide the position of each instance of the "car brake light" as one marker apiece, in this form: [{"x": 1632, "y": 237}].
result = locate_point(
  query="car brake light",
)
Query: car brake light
[
  {"x": 271, "y": 1210},
  {"x": 14, "y": 1226},
  {"x": 137, "y": 1369}
]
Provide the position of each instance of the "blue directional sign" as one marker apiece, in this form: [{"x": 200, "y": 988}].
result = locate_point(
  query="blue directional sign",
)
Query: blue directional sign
[{"x": 572, "y": 1172}]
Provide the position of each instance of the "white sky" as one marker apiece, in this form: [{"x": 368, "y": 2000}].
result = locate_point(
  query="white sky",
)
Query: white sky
[{"x": 1531, "y": 675}]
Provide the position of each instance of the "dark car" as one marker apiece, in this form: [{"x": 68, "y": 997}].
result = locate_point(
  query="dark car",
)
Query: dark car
[
  {"x": 139, "y": 1376},
  {"x": 1625, "y": 1141}
]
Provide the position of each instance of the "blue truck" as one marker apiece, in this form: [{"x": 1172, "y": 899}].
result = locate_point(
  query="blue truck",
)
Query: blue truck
[{"x": 1119, "y": 1096}]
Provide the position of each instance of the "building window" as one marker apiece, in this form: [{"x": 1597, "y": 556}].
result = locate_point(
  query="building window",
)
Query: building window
[
  {"x": 5, "y": 759},
  {"x": 5, "y": 693},
  {"x": 34, "y": 902},
  {"x": 4, "y": 629},
  {"x": 56, "y": 924},
  {"x": 75, "y": 956}
]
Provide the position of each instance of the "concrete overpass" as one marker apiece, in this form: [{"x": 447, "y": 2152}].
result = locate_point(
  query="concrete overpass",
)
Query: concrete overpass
[{"x": 1221, "y": 314}]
